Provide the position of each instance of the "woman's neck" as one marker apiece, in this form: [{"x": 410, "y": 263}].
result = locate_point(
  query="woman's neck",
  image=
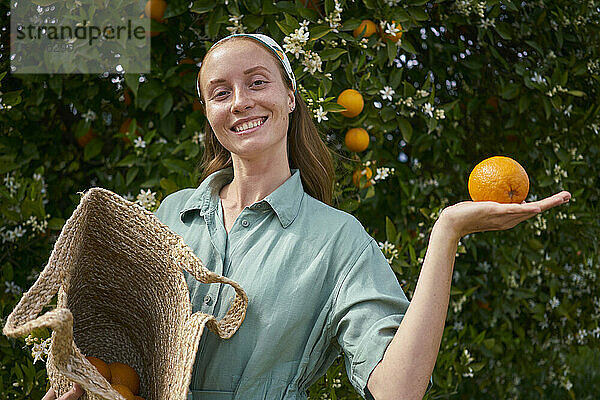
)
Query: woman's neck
[{"x": 253, "y": 182}]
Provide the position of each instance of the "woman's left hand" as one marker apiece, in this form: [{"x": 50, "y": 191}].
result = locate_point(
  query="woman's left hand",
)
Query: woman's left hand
[{"x": 479, "y": 216}]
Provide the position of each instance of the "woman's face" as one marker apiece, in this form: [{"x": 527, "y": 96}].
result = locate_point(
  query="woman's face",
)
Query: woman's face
[{"x": 247, "y": 102}]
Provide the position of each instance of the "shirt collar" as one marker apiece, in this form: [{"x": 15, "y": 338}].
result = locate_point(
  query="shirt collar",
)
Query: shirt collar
[{"x": 285, "y": 200}]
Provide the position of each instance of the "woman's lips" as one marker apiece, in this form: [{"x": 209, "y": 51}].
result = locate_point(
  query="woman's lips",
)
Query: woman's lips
[{"x": 253, "y": 128}]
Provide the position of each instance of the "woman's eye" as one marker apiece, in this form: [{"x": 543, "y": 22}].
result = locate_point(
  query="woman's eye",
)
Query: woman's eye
[
  {"x": 258, "y": 82},
  {"x": 220, "y": 93}
]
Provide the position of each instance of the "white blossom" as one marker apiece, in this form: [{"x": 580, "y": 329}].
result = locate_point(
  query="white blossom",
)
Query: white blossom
[
  {"x": 320, "y": 114},
  {"x": 428, "y": 109},
  {"x": 20, "y": 231},
  {"x": 37, "y": 352},
  {"x": 382, "y": 173},
  {"x": 146, "y": 199},
  {"x": 389, "y": 250},
  {"x": 387, "y": 92},
  {"x": 198, "y": 137},
  {"x": 538, "y": 78},
  {"x": 237, "y": 27},
  {"x": 89, "y": 116},
  {"x": 312, "y": 62},
  {"x": 391, "y": 29},
  {"x": 554, "y": 302},
  {"x": 294, "y": 42},
  {"x": 11, "y": 184},
  {"x": 139, "y": 142},
  {"x": 12, "y": 287}
]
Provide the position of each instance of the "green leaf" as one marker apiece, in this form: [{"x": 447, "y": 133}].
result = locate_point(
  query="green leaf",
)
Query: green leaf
[
  {"x": 405, "y": 128},
  {"x": 202, "y": 6},
  {"x": 252, "y": 22},
  {"x": 56, "y": 224},
  {"x": 392, "y": 51},
  {"x": 131, "y": 174},
  {"x": 92, "y": 149},
  {"x": 577, "y": 93},
  {"x": 127, "y": 161},
  {"x": 147, "y": 92},
  {"x": 133, "y": 82},
  {"x": 418, "y": 13},
  {"x": 390, "y": 230},
  {"x": 178, "y": 166},
  {"x": 396, "y": 78},
  {"x": 284, "y": 28},
  {"x": 407, "y": 46},
  {"x": 168, "y": 185},
  {"x": 318, "y": 31},
  {"x": 387, "y": 114},
  {"x": 504, "y": 30},
  {"x": 164, "y": 104},
  {"x": 332, "y": 54},
  {"x": 510, "y": 91}
]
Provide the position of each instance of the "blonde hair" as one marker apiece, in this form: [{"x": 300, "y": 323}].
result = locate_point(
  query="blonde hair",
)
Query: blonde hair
[{"x": 306, "y": 149}]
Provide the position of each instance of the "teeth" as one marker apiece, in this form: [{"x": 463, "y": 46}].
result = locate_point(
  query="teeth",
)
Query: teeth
[{"x": 248, "y": 125}]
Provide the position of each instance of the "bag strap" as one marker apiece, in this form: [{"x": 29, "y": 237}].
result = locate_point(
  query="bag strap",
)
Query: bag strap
[{"x": 229, "y": 324}]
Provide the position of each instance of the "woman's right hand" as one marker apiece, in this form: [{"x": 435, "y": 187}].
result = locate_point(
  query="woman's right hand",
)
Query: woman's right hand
[{"x": 72, "y": 394}]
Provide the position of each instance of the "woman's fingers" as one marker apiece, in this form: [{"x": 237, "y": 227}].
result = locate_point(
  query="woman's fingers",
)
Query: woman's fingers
[
  {"x": 50, "y": 395},
  {"x": 552, "y": 201},
  {"x": 72, "y": 394}
]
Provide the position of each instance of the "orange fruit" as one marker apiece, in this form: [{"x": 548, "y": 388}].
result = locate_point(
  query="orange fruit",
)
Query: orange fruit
[
  {"x": 101, "y": 366},
  {"x": 138, "y": 398},
  {"x": 500, "y": 179},
  {"x": 352, "y": 101},
  {"x": 155, "y": 9},
  {"x": 86, "y": 138},
  {"x": 357, "y": 139},
  {"x": 368, "y": 26},
  {"x": 123, "y": 391},
  {"x": 360, "y": 181},
  {"x": 393, "y": 38},
  {"x": 123, "y": 374}
]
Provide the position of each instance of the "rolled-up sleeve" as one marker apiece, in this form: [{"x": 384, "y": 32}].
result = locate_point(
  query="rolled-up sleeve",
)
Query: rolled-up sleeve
[{"x": 367, "y": 309}]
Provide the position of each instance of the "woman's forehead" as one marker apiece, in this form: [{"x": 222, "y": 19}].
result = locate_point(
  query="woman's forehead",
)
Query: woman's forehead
[{"x": 241, "y": 53}]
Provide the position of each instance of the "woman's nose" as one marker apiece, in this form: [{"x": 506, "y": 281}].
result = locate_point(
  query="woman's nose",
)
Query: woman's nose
[{"x": 241, "y": 101}]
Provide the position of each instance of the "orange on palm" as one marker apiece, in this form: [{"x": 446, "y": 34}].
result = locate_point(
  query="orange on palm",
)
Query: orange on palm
[{"x": 500, "y": 179}]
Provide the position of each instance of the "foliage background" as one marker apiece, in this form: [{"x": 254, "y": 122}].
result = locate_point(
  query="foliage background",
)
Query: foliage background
[{"x": 512, "y": 78}]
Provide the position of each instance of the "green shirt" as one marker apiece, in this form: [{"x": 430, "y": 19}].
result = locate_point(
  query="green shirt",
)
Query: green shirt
[{"x": 318, "y": 286}]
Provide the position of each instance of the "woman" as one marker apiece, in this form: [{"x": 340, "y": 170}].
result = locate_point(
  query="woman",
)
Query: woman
[{"x": 318, "y": 284}]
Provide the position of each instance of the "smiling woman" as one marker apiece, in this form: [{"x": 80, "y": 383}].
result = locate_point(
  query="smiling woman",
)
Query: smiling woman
[{"x": 247, "y": 79}]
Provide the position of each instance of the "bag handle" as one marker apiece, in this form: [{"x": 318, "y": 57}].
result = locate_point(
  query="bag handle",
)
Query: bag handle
[{"x": 229, "y": 324}]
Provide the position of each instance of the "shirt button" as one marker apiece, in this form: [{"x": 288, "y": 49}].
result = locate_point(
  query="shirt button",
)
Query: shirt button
[
  {"x": 207, "y": 300},
  {"x": 245, "y": 223}
]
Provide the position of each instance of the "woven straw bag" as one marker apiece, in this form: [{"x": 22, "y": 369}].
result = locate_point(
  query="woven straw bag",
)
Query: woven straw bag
[{"x": 122, "y": 297}]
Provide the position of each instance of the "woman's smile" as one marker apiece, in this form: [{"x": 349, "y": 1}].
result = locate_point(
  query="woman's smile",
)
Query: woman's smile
[{"x": 248, "y": 125}]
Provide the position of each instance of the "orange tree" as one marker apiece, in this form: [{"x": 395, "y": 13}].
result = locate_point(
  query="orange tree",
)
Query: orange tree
[{"x": 446, "y": 85}]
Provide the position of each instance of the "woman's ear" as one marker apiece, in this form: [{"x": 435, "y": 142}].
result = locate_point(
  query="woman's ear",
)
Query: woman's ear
[{"x": 291, "y": 102}]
